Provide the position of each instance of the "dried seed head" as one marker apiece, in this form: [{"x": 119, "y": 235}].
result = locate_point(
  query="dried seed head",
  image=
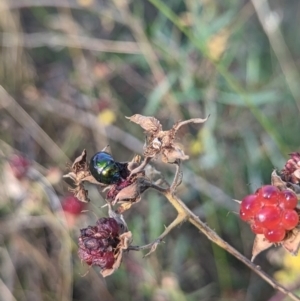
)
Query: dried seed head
[
  {"x": 162, "y": 142},
  {"x": 103, "y": 244},
  {"x": 291, "y": 170}
]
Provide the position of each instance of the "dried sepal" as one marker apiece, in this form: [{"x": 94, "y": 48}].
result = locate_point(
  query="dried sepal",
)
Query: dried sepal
[
  {"x": 125, "y": 241},
  {"x": 131, "y": 194},
  {"x": 178, "y": 125},
  {"x": 149, "y": 124},
  {"x": 292, "y": 242},
  {"x": 80, "y": 193},
  {"x": 79, "y": 173},
  {"x": 134, "y": 163},
  {"x": 171, "y": 155},
  {"x": 124, "y": 207},
  {"x": 260, "y": 244},
  {"x": 80, "y": 162},
  {"x": 152, "y": 173},
  {"x": 277, "y": 181}
]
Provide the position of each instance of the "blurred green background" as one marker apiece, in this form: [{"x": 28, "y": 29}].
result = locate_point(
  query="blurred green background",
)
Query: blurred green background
[{"x": 70, "y": 71}]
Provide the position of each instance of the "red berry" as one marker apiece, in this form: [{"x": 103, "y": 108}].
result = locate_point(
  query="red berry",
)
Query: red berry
[
  {"x": 289, "y": 219},
  {"x": 267, "y": 191},
  {"x": 272, "y": 201},
  {"x": 249, "y": 207},
  {"x": 268, "y": 217},
  {"x": 287, "y": 199},
  {"x": 72, "y": 205},
  {"x": 274, "y": 235},
  {"x": 108, "y": 260},
  {"x": 257, "y": 229},
  {"x": 19, "y": 166}
]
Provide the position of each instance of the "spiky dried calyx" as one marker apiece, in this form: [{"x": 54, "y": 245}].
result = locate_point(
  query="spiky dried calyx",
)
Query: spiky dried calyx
[
  {"x": 103, "y": 244},
  {"x": 162, "y": 142},
  {"x": 79, "y": 173}
]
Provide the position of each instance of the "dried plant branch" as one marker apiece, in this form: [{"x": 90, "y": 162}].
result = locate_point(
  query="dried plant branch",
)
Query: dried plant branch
[
  {"x": 184, "y": 211},
  {"x": 89, "y": 120},
  {"x": 185, "y": 214},
  {"x": 129, "y": 189}
]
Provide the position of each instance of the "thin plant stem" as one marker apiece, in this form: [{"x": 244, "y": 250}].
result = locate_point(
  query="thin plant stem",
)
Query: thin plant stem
[
  {"x": 185, "y": 214},
  {"x": 177, "y": 221}
]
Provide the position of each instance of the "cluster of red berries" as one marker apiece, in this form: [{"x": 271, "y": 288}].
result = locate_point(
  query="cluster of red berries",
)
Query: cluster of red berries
[
  {"x": 270, "y": 212},
  {"x": 97, "y": 244}
]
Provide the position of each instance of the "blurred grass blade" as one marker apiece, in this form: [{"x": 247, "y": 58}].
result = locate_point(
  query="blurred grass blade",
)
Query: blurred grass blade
[
  {"x": 256, "y": 98},
  {"x": 158, "y": 93}
]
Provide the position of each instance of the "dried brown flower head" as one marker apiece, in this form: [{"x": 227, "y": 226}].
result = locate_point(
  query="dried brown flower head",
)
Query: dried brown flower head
[{"x": 103, "y": 244}]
